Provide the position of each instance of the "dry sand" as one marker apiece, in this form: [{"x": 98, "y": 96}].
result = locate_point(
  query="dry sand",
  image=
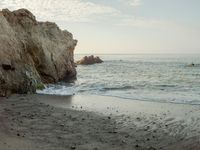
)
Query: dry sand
[{"x": 42, "y": 122}]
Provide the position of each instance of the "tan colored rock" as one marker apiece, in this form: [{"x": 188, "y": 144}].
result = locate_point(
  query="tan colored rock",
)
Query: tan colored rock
[
  {"x": 32, "y": 52},
  {"x": 89, "y": 60}
]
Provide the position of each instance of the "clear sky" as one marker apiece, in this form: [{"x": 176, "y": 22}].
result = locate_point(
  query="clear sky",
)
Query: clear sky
[{"x": 122, "y": 26}]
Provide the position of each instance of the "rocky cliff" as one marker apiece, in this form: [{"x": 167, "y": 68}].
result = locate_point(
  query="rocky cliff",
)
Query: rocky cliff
[{"x": 32, "y": 52}]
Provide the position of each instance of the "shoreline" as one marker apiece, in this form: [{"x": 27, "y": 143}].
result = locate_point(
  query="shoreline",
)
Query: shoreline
[
  {"x": 106, "y": 105},
  {"x": 96, "y": 122}
]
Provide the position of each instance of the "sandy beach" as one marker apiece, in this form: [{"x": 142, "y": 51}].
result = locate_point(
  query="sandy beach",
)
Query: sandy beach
[
  {"x": 99, "y": 75},
  {"x": 43, "y": 122}
]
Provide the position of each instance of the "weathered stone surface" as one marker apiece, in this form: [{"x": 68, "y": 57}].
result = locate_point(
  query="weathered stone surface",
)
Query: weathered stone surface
[
  {"x": 89, "y": 60},
  {"x": 32, "y": 52}
]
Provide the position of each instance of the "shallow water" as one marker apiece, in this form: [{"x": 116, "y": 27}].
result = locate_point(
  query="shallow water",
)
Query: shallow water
[{"x": 161, "y": 78}]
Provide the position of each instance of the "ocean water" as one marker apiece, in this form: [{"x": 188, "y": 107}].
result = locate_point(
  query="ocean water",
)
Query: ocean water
[{"x": 160, "y": 78}]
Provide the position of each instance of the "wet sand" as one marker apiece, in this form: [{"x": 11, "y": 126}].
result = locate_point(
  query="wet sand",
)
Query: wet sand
[{"x": 43, "y": 122}]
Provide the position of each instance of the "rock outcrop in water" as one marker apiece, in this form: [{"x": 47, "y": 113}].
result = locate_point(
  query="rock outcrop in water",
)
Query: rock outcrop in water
[
  {"x": 32, "y": 52},
  {"x": 89, "y": 60},
  {"x": 193, "y": 65}
]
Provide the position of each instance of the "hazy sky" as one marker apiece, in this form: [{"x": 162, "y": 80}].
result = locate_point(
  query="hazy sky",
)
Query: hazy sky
[{"x": 122, "y": 26}]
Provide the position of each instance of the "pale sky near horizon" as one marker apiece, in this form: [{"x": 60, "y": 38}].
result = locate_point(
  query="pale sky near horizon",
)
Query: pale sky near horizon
[{"x": 122, "y": 26}]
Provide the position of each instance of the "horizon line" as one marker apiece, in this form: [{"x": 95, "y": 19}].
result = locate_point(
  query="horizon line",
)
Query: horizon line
[{"x": 135, "y": 53}]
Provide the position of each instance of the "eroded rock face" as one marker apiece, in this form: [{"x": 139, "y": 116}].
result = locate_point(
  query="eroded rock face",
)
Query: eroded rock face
[
  {"x": 89, "y": 60},
  {"x": 32, "y": 52}
]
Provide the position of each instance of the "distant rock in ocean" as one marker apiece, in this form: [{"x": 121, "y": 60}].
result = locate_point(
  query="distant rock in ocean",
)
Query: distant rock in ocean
[
  {"x": 190, "y": 65},
  {"x": 89, "y": 60},
  {"x": 33, "y": 52},
  {"x": 193, "y": 65}
]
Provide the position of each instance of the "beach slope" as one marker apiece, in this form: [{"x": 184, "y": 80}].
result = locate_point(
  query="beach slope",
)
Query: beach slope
[{"x": 42, "y": 122}]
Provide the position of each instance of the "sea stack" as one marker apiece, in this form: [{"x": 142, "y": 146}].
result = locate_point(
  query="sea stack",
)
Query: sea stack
[
  {"x": 33, "y": 52},
  {"x": 89, "y": 60}
]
